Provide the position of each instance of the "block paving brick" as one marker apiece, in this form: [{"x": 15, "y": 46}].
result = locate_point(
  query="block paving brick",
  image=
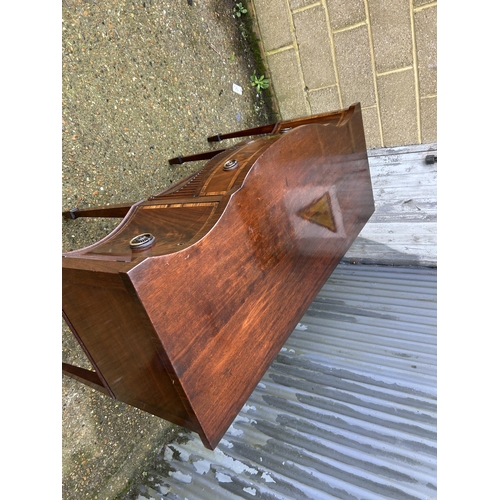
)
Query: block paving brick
[
  {"x": 314, "y": 47},
  {"x": 354, "y": 65},
  {"x": 397, "y": 104},
  {"x": 343, "y": 14},
  {"x": 392, "y": 36},
  {"x": 322, "y": 55}
]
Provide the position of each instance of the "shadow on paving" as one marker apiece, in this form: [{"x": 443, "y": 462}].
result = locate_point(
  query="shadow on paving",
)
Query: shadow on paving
[{"x": 143, "y": 81}]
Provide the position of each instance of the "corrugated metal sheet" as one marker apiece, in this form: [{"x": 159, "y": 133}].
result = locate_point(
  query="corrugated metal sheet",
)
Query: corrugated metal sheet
[
  {"x": 403, "y": 229},
  {"x": 346, "y": 411}
]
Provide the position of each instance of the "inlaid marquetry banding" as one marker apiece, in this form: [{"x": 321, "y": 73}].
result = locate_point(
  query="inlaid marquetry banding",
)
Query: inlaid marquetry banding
[{"x": 179, "y": 205}]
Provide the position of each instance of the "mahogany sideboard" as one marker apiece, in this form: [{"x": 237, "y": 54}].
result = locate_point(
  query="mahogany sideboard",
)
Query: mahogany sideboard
[{"x": 185, "y": 304}]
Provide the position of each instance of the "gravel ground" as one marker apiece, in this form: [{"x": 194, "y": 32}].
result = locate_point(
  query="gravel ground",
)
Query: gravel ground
[{"x": 142, "y": 81}]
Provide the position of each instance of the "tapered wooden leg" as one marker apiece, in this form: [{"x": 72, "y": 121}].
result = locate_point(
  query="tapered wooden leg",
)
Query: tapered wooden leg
[
  {"x": 201, "y": 156},
  {"x": 284, "y": 125},
  {"x": 120, "y": 210},
  {"x": 86, "y": 377},
  {"x": 265, "y": 129}
]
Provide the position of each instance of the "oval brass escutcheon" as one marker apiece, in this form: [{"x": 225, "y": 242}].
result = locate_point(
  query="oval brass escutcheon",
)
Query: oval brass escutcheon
[
  {"x": 142, "y": 241},
  {"x": 230, "y": 164}
]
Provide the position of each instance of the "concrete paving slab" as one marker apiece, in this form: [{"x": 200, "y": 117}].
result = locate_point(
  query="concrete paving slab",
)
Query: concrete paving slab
[
  {"x": 371, "y": 124},
  {"x": 274, "y": 24},
  {"x": 397, "y": 104},
  {"x": 301, "y": 4},
  {"x": 428, "y": 118},
  {"x": 326, "y": 98},
  {"x": 420, "y": 3},
  {"x": 392, "y": 35},
  {"x": 354, "y": 66},
  {"x": 343, "y": 14},
  {"x": 426, "y": 45},
  {"x": 287, "y": 82},
  {"x": 314, "y": 47}
]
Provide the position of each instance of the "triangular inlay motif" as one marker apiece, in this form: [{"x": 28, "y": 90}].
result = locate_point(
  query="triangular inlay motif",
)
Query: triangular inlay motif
[{"x": 320, "y": 212}]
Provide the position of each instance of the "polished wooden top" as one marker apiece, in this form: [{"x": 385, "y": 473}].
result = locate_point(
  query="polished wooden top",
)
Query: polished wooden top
[{"x": 240, "y": 251}]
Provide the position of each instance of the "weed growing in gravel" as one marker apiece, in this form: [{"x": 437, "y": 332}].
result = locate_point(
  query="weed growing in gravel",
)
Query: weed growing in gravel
[
  {"x": 250, "y": 43},
  {"x": 259, "y": 82},
  {"x": 239, "y": 10}
]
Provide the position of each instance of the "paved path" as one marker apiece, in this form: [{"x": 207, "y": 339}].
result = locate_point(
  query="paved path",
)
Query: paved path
[{"x": 327, "y": 54}]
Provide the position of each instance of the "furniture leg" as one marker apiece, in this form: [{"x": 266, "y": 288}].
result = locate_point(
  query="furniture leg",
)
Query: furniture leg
[
  {"x": 201, "y": 156},
  {"x": 284, "y": 125},
  {"x": 86, "y": 377},
  {"x": 265, "y": 129},
  {"x": 106, "y": 211}
]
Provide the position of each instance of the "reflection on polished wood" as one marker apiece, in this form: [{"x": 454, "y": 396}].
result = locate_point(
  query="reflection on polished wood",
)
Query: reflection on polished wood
[{"x": 185, "y": 304}]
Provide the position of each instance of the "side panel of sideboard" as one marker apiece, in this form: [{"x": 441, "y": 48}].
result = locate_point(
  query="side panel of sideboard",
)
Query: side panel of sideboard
[{"x": 110, "y": 324}]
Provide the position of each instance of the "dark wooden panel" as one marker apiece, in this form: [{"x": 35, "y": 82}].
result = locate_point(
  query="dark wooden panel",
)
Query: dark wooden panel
[{"x": 117, "y": 336}]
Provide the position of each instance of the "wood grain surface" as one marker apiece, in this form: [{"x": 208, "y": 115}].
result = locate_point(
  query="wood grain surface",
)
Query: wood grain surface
[{"x": 186, "y": 328}]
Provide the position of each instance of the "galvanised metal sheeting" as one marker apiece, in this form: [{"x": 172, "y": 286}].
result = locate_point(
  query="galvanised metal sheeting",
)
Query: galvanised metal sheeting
[{"x": 346, "y": 411}]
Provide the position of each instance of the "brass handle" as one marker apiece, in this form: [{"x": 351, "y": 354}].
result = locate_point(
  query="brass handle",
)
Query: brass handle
[
  {"x": 142, "y": 241},
  {"x": 230, "y": 164}
]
